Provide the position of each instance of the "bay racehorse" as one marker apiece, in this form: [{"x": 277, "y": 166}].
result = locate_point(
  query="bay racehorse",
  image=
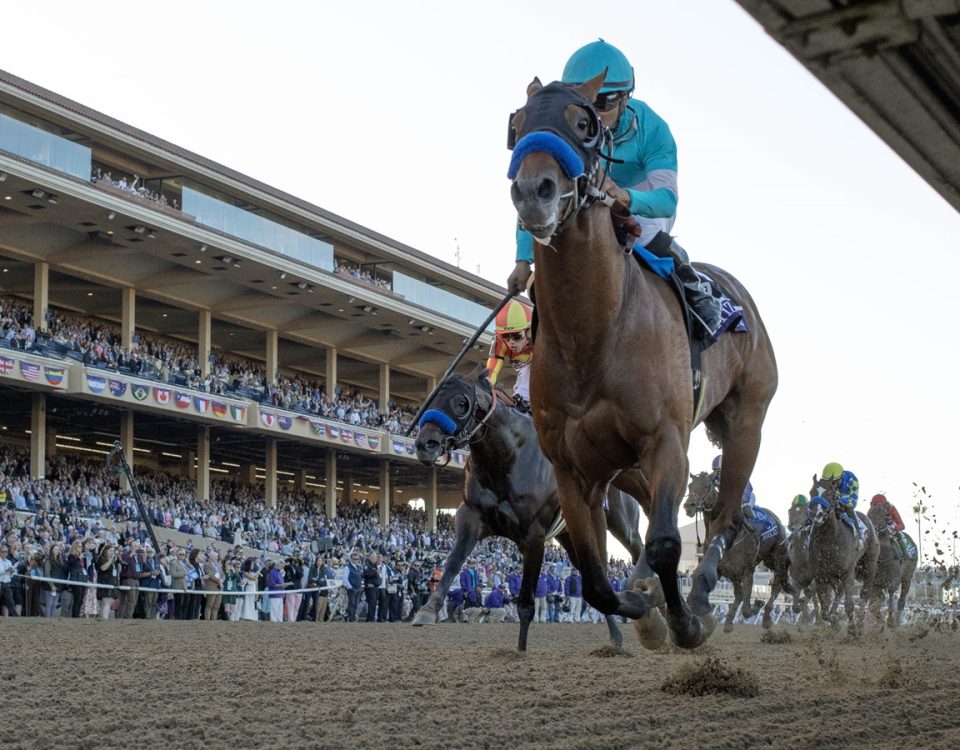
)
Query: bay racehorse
[
  {"x": 612, "y": 381},
  {"x": 748, "y": 550},
  {"x": 892, "y": 572},
  {"x": 510, "y": 489}
]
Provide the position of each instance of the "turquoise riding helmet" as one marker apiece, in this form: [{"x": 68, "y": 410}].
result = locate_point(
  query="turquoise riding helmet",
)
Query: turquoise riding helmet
[{"x": 591, "y": 60}]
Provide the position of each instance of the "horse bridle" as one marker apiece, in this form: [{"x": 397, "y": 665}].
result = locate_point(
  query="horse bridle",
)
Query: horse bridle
[
  {"x": 460, "y": 428},
  {"x": 571, "y": 152}
]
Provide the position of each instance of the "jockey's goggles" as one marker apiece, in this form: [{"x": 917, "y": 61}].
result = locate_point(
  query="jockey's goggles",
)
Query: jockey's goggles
[
  {"x": 609, "y": 100},
  {"x": 515, "y": 335}
]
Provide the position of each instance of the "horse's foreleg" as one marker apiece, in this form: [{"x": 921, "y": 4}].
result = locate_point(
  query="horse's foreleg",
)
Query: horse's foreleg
[
  {"x": 470, "y": 528},
  {"x": 738, "y": 601},
  {"x": 532, "y": 552},
  {"x": 583, "y": 512},
  {"x": 623, "y": 521},
  {"x": 747, "y": 584}
]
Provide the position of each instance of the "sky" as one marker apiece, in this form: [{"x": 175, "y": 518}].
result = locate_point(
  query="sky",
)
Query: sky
[{"x": 394, "y": 115}]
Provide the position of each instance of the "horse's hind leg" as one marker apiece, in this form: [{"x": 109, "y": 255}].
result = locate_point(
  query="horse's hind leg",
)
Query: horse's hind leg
[
  {"x": 738, "y": 600},
  {"x": 616, "y": 636}
]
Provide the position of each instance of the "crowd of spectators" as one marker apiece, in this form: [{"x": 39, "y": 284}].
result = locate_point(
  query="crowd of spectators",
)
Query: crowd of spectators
[
  {"x": 358, "y": 273},
  {"x": 133, "y": 186},
  {"x": 99, "y": 344},
  {"x": 77, "y": 524}
]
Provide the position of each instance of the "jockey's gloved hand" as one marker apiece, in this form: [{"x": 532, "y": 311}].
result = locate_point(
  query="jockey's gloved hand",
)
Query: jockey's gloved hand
[
  {"x": 519, "y": 277},
  {"x": 621, "y": 196}
]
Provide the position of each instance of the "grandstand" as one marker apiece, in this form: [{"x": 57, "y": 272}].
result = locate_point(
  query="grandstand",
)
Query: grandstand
[{"x": 212, "y": 324}]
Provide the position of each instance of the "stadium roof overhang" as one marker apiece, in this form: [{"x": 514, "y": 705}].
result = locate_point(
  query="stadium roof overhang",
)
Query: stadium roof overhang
[
  {"x": 98, "y": 243},
  {"x": 895, "y": 63}
]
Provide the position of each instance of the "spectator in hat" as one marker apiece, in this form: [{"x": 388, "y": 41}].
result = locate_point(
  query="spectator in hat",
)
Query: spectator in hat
[
  {"x": 495, "y": 604},
  {"x": 353, "y": 583}
]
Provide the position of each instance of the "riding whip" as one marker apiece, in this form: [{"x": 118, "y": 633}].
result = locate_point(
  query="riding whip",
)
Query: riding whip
[{"x": 456, "y": 361}]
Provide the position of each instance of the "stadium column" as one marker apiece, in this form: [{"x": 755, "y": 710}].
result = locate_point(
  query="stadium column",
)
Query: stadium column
[
  {"x": 384, "y": 387},
  {"x": 38, "y": 436},
  {"x": 128, "y": 321},
  {"x": 270, "y": 480},
  {"x": 126, "y": 443},
  {"x": 273, "y": 341},
  {"x": 51, "y": 441},
  {"x": 203, "y": 463},
  {"x": 430, "y": 501},
  {"x": 330, "y": 480},
  {"x": 203, "y": 341},
  {"x": 41, "y": 295},
  {"x": 300, "y": 479},
  {"x": 385, "y": 494},
  {"x": 331, "y": 371}
]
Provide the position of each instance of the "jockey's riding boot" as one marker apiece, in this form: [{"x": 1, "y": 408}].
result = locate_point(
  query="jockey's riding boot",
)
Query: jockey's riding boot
[
  {"x": 900, "y": 545},
  {"x": 852, "y": 515},
  {"x": 750, "y": 519},
  {"x": 521, "y": 403},
  {"x": 699, "y": 293}
]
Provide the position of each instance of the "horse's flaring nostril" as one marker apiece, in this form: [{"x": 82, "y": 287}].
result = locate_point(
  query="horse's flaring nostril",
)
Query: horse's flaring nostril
[
  {"x": 546, "y": 190},
  {"x": 516, "y": 194}
]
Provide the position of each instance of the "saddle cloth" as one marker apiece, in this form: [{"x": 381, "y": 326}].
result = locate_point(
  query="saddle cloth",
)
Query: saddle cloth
[
  {"x": 768, "y": 526},
  {"x": 732, "y": 317}
]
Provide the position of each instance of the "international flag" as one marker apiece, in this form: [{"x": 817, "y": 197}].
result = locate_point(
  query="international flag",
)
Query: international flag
[
  {"x": 346, "y": 435},
  {"x": 375, "y": 442},
  {"x": 182, "y": 400},
  {"x": 361, "y": 440},
  {"x": 54, "y": 375},
  {"x": 398, "y": 447},
  {"x": 316, "y": 426},
  {"x": 29, "y": 370},
  {"x": 459, "y": 457},
  {"x": 285, "y": 422},
  {"x": 239, "y": 413},
  {"x": 96, "y": 384},
  {"x": 6, "y": 365},
  {"x": 161, "y": 395},
  {"x": 267, "y": 418},
  {"x": 219, "y": 408},
  {"x": 201, "y": 404},
  {"x": 411, "y": 449},
  {"x": 333, "y": 432},
  {"x": 118, "y": 387},
  {"x": 139, "y": 391}
]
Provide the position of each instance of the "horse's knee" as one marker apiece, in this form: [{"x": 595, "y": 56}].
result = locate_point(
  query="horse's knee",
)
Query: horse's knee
[{"x": 663, "y": 553}]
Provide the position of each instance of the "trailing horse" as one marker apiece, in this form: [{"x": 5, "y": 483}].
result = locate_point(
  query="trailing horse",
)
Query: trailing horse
[
  {"x": 509, "y": 488},
  {"x": 840, "y": 554},
  {"x": 748, "y": 550},
  {"x": 612, "y": 382},
  {"x": 892, "y": 572}
]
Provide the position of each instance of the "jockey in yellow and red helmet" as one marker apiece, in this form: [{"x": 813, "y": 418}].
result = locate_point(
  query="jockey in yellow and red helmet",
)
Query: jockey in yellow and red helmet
[{"x": 513, "y": 344}]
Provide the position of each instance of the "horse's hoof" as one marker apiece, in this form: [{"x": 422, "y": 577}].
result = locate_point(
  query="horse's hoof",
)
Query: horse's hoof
[
  {"x": 728, "y": 627},
  {"x": 424, "y": 618},
  {"x": 692, "y": 633},
  {"x": 652, "y": 590},
  {"x": 767, "y": 622},
  {"x": 651, "y": 630},
  {"x": 616, "y": 639}
]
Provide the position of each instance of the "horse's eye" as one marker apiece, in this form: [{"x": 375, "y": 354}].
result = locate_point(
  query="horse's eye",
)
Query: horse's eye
[
  {"x": 460, "y": 406},
  {"x": 583, "y": 123}
]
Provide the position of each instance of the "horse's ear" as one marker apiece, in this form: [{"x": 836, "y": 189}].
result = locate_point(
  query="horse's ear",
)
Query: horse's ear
[
  {"x": 692, "y": 475},
  {"x": 591, "y": 88},
  {"x": 480, "y": 372},
  {"x": 534, "y": 86}
]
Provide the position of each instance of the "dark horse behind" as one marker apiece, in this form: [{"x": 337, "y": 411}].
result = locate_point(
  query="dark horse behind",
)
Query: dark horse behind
[
  {"x": 740, "y": 560},
  {"x": 612, "y": 380},
  {"x": 892, "y": 572},
  {"x": 509, "y": 488}
]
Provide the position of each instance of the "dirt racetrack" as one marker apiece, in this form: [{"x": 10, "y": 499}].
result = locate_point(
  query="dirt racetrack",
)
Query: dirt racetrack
[{"x": 86, "y": 684}]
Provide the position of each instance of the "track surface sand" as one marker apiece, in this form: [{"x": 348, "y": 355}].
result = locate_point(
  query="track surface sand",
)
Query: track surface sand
[{"x": 86, "y": 684}]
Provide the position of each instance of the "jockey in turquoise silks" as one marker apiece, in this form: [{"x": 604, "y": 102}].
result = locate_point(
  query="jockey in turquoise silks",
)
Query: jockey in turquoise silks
[{"x": 642, "y": 174}]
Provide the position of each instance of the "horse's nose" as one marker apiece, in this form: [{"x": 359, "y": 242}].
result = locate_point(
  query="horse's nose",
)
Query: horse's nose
[
  {"x": 537, "y": 190},
  {"x": 427, "y": 449}
]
